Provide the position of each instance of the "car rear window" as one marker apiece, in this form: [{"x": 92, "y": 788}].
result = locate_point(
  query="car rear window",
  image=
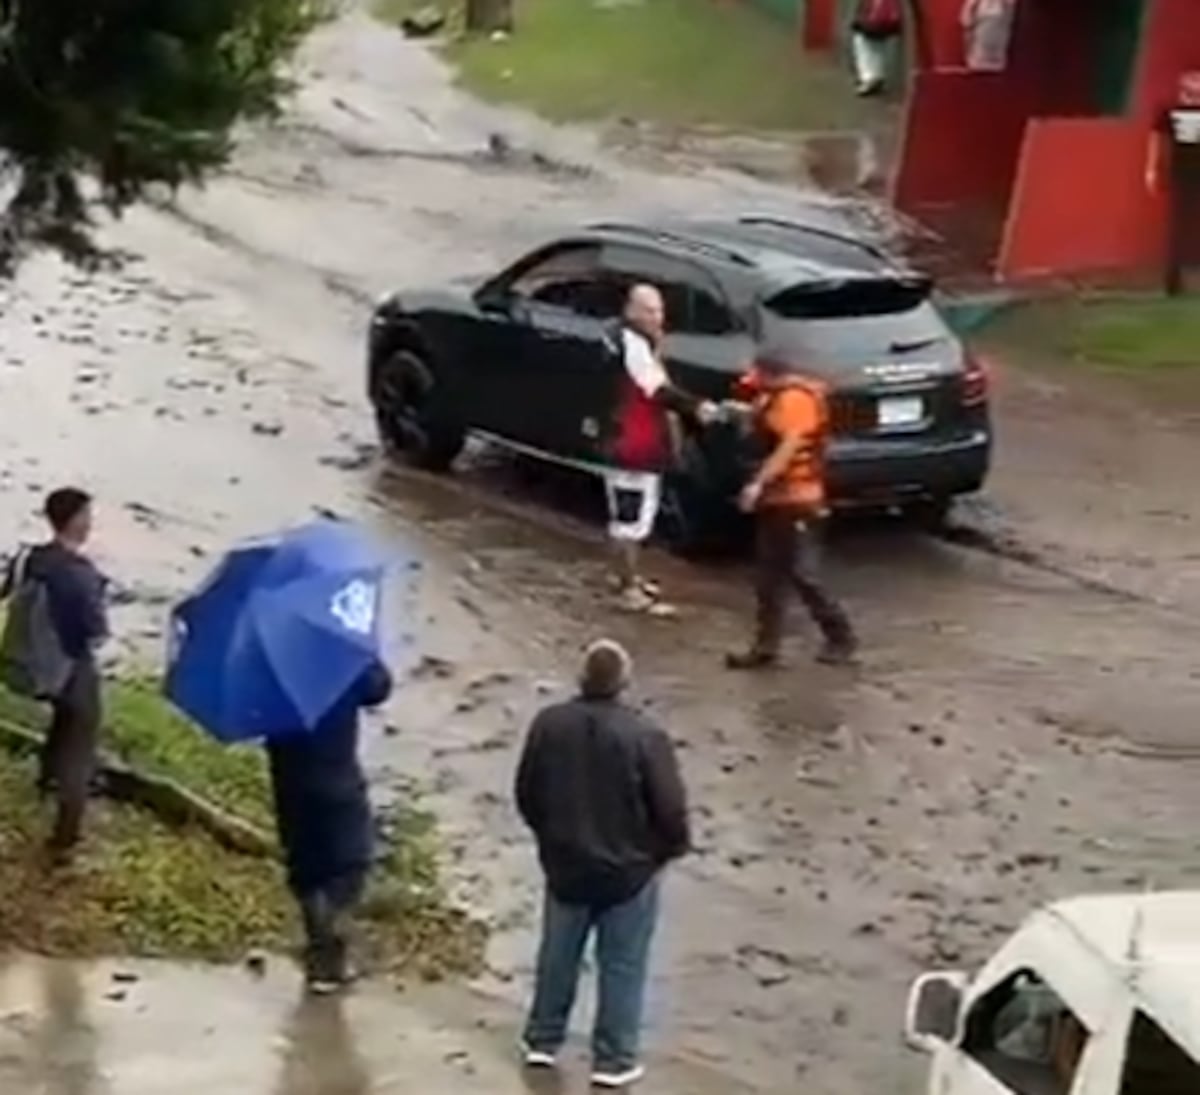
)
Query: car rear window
[
  {"x": 857, "y": 297},
  {"x": 855, "y": 322}
]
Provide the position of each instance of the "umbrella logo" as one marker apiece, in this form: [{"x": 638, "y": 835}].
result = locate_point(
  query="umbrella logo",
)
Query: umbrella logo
[
  {"x": 354, "y": 607},
  {"x": 176, "y": 637}
]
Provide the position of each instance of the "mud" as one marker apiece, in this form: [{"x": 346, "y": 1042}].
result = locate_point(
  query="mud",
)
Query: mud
[{"x": 1022, "y": 726}]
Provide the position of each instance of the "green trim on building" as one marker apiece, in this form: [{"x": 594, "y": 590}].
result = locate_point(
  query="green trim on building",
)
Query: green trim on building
[
  {"x": 786, "y": 11},
  {"x": 1119, "y": 39}
]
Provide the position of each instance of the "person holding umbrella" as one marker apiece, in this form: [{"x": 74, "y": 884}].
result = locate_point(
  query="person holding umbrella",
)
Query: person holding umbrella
[
  {"x": 282, "y": 643},
  {"x": 323, "y": 815}
]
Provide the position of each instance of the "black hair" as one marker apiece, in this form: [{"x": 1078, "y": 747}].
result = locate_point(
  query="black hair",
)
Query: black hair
[{"x": 64, "y": 505}]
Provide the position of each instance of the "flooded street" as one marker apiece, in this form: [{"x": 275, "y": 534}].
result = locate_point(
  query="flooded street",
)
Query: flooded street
[{"x": 1023, "y": 726}]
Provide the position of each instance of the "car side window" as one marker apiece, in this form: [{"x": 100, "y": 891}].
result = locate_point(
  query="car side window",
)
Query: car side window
[
  {"x": 1155, "y": 1064},
  {"x": 558, "y": 277},
  {"x": 694, "y": 302},
  {"x": 1026, "y": 1036}
]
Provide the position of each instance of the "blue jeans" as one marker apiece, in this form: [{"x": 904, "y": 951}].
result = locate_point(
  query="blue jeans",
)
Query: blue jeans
[{"x": 623, "y": 934}]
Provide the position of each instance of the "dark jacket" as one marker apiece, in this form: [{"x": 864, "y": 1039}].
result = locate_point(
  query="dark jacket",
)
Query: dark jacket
[
  {"x": 321, "y": 803},
  {"x": 75, "y": 590},
  {"x": 600, "y": 787}
]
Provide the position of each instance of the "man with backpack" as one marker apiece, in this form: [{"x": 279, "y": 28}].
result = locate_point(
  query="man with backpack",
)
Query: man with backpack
[{"x": 56, "y": 620}]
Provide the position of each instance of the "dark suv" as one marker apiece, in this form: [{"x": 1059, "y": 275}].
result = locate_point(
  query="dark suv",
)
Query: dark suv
[{"x": 525, "y": 359}]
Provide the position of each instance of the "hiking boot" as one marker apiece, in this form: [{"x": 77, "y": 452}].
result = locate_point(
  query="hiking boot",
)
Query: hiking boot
[
  {"x": 841, "y": 652},
  {"x": 327, "y": 981},
  {"x": 754, "y": 658},
  {"x": 326, "y": 969}
]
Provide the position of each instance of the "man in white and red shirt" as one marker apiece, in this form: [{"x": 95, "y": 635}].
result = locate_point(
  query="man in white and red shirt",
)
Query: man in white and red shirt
[{"x": 641, "y": 445}]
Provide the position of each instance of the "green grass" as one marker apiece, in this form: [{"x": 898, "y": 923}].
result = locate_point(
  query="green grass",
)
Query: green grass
[
  {"x": 139, "y": 888},
  {"x": 143, "y": 888},
  {"x": 1127, "y": 333},
  {"x": 677, "y": 62},
  {"x": 144, "y": 730}
]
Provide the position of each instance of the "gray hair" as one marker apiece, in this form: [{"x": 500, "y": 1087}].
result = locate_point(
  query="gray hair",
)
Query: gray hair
[{"x": 607, "y": 669}]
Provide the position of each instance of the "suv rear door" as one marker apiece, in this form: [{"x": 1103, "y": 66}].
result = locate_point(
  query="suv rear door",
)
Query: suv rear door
[{"x": 895, "y": 367}]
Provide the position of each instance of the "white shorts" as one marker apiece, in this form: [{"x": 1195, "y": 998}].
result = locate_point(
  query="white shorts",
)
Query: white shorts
[{"x": 634, "y": 498}]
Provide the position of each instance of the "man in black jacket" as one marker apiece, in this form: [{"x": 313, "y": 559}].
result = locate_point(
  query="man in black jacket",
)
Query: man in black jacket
[{"x": 600, "y": 787}]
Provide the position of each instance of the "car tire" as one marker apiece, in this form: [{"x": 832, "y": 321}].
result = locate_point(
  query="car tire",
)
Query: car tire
[
  {"x": 409, "y": 418},
  {"x": 929, "y": 514}
]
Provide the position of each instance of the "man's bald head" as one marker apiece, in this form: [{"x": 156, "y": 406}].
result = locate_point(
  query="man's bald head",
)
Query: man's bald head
[{"x": 645, "y": 311}]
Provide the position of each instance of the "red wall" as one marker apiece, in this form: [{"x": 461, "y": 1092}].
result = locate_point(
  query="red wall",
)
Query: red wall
[
  {"x": 820, "y": 24},
  {"x": 942, "y": 21},
  {"x": 962, "y": 138},
  {"x": 1083, "y": 200}
]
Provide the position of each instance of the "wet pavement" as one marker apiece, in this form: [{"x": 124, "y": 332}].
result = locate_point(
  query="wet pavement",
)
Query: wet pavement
[
  {"x": 1022, "y": 726},
  {"x": 143, "y": 1029}
]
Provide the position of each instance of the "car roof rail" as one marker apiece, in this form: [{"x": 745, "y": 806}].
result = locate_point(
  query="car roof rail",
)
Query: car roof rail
[
  {"x": 815, "y": 230},
  {"x": 694, "y": 243}
]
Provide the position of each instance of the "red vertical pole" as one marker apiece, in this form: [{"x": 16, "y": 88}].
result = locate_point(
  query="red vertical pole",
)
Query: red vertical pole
[{"x": 820, "y": 24}]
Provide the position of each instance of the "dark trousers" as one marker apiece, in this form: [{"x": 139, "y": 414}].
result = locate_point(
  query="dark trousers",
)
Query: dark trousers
[
  {"x": 623, "y": 935},
  {"x": 68, "y": 760},
  {"x": 787, "y": 559},
  {"x": 326, "y": 912}
]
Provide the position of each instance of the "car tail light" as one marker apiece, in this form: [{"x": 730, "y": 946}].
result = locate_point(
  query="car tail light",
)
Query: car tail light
[
  {"x": 746, "y": 386},
  {"x": 976, "y": 382}
]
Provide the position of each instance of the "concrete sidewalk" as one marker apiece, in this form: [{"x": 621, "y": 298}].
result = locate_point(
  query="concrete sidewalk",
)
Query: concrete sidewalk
[{"x": 150, "y": 1028}]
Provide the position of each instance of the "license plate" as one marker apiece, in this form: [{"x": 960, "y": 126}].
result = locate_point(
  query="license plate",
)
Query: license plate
[{"x": 900, "y": 411}]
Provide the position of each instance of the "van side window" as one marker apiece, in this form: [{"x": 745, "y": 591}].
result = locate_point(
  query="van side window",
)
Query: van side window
[
  {"x": 1026, "y": 1037},
  {"x": 1155, "y": 1064}
]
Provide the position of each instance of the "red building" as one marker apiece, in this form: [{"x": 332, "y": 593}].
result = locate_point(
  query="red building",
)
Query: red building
[{"x": 1057, "y": 161}]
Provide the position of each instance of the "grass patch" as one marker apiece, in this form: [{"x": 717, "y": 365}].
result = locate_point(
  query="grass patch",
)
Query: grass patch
[
  {"x": 680, "y": 62},
  {"x": 145, "y": 889},
  {"x": 1120, "y": 332}
]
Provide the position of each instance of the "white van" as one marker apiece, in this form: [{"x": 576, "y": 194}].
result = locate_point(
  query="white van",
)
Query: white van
[{"x": 1092, "y": 996}]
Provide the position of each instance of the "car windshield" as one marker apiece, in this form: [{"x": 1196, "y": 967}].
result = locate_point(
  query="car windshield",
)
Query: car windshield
[{"x": 854, "y": 319}]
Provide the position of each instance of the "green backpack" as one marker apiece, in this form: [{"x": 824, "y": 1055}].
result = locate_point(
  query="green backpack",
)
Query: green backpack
[{"x": 32, "y": 660}]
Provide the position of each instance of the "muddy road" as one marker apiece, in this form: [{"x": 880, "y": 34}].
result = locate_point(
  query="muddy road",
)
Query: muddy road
[{"x": 1023, "y": 723}]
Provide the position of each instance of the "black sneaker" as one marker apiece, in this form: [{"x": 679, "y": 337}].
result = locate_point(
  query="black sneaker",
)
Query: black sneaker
[
  {"x": 752, "y": 659},
  {"x": 844, "y": 653},
  {"x": 327, "y": 973}
]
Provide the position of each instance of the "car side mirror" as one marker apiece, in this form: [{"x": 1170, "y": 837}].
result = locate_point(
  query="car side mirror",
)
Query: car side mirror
[
  {"x": 934, "y": 1004},
  {"x": 495, "y": 298}
]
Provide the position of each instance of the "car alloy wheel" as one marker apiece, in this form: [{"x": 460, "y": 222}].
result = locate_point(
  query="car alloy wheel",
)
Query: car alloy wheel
[{"x": 404, "y": 407}]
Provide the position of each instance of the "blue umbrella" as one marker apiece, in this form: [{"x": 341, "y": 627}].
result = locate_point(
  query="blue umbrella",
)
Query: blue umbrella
[{"x": 278, "y": 633}]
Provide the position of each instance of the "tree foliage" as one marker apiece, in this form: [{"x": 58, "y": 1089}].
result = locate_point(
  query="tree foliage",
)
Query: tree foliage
[{"x": 124, "y": 95}]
